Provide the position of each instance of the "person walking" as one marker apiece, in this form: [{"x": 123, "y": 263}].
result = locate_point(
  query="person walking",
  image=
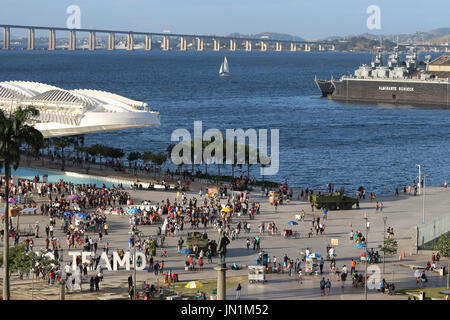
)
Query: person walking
[
  {"x": 321, "y": 265},
  {"x": 322, "y": 287},
  {"x": 238, "y": 291},
  {"x": 328, "y": 286},
  {"x": 97, "y": 282},
  {"x": 300, "y": 277}
]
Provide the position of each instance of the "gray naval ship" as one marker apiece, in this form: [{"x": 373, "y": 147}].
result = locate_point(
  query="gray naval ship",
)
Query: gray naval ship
[{"x": 396, "y": 82}]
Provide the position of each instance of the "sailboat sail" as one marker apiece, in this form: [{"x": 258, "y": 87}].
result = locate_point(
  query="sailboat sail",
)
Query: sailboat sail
[{"x": 224, "y": 69}]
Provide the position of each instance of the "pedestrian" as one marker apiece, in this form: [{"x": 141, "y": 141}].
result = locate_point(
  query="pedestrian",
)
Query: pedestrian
[
  {"x": 92, "y": 284},
  {"x": 322, "y": 287},
  {"x": 321, "y": 265},
  {"x": 238, "y": 291},
  {"x": 328, "y": 286},
  {"x": 97, "y": 282},
  {"x": 300, "y": 276}
]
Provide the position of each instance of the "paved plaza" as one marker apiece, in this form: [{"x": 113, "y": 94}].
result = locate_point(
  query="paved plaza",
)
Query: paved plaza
[{"x": 403, "y": 213}]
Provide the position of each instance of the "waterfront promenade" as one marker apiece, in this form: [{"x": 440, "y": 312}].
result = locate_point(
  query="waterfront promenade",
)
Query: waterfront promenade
[{"x": 402, "y": 212}]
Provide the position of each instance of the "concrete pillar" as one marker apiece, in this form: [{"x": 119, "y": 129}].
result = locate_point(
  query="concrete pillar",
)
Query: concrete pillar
[
  {"x": 263, "y": 46},
  {"x": 278, "y": 46},
  {"x": 111, "y": 41},
  {"x": 232, "y": 45},
  {"x": 333, "y": 48},
  {"x": 199, "y": 44},
  {"x": 6, "y": 38},
  {"x": 221, "y": 283},
  {"x": 165, "y": 44},
  {"x": 130, "y": 42},
  {"x": 248, "y": 45},
  {"x": 72, "y": 40},
  {"x": 307, "y": 47},
  {"x": 183, "y": 45},
  {"x": 62, "y": 290},
  {"x": 148, "y": 42},
  {"x": 91, "y": 40},
  {"x": 293, "y": 47},
  {"x": 216, "y": 45},
  {"x": 320, "y": 47},
  {"x": 30, "y": 39},
  {"x": 51, "y": 39}
]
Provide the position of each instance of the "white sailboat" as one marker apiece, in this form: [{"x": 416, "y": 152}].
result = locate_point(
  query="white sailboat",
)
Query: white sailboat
[{"x": 224, "y": 69}]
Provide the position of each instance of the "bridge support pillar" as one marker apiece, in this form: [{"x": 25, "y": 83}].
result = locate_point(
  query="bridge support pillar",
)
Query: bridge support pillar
[
  {"x": 91, "y": 40},
  {"x": 320, "y": 47},
  {"x": 216, "y": 45},
  {"x": 6, "y": 38},
  {"x": 72, "y": 40},
  {"x": 278, "y": 46},
  {"x": 183, "y": 45},
  {"x": 307, "y": 47},
  {"x": 293, "y": 47},
  {"x": 248, "y": 45},
  {"x": 51, "y": 39},
  {"x": 30, "y": 39},
  {"x": 111, "y": 41},
  {"x": 199, "y": 44},
  {"x": 232, "y": 45},
  {"x": 148, "y": 42},
  {"x": 165, "y": 44},
  {"x": 130, "y": 42},
  {"x": 263, "y": 46}
]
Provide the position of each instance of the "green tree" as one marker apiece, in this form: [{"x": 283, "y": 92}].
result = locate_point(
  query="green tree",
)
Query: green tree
[
  {"x": 389, "y": 247},
  {"x": 20, "y": 260},
  {"x": 133, "y": 156},
  {"x": 14, "y": 133},
  {"x": 444, "y": 249},
  {"x": 62, "y": 143},
  {"x": 159, "y": 159}
]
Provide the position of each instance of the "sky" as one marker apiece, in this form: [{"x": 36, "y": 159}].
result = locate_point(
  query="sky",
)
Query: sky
[{"x": 310, "y": 19}]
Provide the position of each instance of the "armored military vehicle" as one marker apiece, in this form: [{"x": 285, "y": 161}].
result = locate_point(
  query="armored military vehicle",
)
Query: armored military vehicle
[
  {"x": 335, "y": 201},
  {"x": 199, "y": 238}
]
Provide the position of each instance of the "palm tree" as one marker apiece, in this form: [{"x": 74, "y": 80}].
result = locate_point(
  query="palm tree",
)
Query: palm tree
[{"x": 14, "y": 133}]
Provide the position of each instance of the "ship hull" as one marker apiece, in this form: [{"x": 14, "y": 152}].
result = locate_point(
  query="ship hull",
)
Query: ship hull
[
  {"x": 325, "y": 86},
  {"x": 433, "y": 93}
]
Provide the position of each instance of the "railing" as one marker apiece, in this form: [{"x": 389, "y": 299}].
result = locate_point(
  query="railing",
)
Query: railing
[{"x": 431, "y": 231}]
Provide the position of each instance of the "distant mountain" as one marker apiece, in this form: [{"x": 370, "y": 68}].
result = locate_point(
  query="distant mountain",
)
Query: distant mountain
[
  {"x": 267, "y": 36},
  {"x": 433, "y": 36}
]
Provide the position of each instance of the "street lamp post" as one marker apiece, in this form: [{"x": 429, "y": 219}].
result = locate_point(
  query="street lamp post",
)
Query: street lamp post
[
  {"x": 420, "y": 170},
  {"x": 135, "y": 263},
  {"x": 384, "y": 238},
  {"x": 366, "y": 248},
  {"x": 423, "y": 203}
]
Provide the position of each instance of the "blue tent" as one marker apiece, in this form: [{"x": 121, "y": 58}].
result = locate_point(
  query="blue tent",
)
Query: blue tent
[
  {"x": 68, "y": 213},
  {"x": 133, "y": 211},
  {"x": 360, "y": 245},
  {"x": 185, "y": 251},
  {"x": 82, "y": 215},
  {"x": 292, "y": 223}
]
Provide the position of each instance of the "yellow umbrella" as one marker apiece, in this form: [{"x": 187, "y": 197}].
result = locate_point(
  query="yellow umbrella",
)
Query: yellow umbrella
[
  {"x": 226, "y": 209},
  {"x": 193, "y": 285}
]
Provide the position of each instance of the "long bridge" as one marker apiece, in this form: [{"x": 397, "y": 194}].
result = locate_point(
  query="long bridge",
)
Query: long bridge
[{"x": 168, "y": 41}]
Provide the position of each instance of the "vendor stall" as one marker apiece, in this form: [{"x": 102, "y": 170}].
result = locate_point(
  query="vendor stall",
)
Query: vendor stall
[{"x": 256, "y": 274}]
